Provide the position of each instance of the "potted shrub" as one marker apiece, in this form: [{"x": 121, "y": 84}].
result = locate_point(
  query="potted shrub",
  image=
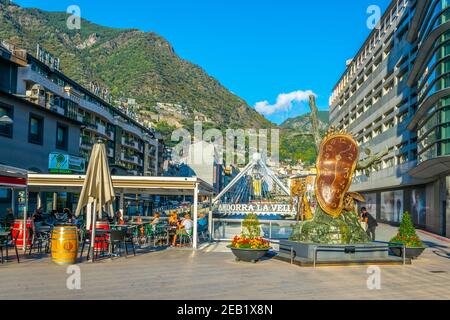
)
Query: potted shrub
[
  {"x": 407, "y": 235},
  {"x": 250, "y": 246}
]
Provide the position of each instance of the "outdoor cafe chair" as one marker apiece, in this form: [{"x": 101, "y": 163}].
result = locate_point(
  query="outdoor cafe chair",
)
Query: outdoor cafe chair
[
  {"x": 7, "y": 243},
  {"x": 203, "y": 232},
  {"x": 99, "y": 239},
  {"x": 150, "y": 234},
  {"x": 129, "y": 239},
  {"x": 162, "y": 233},
  {"x": 118, "y": 240},
  {"x": 39, "y": 241},
  {"x": 186, "y": 238}
]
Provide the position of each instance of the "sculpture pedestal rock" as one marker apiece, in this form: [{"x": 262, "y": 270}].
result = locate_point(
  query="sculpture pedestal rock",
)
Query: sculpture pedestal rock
[{"x": 324, "y": 229}]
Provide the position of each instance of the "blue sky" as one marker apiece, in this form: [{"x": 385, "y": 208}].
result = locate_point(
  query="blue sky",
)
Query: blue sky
[{"x": 258, "y": 49}]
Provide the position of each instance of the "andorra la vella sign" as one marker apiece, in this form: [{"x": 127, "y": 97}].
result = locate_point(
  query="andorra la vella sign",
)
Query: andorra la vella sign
[{"x": 255, "y": 208}]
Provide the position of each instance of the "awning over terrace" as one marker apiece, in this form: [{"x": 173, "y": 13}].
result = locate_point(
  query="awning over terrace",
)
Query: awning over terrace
[
  {"x": 13, "y": 178},
  {"x": 163, "y": 186}
]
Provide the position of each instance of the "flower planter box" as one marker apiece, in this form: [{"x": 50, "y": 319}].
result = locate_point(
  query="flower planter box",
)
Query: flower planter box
[
  {"x": 411, "y": 253},
  {"x": 249, "y": 255}
]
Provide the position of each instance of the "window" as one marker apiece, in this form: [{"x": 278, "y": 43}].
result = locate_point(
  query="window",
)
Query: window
[
  {"x": 8, "y": 77},
  {"x": 62, "y": 133},
  {"x": 36, "y": 129},
  {"x": 6, "y": 129}
]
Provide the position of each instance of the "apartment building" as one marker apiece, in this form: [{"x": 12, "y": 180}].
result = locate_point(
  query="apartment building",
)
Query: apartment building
[
  {"x": 393, "y": 96},
  {"x": 132, "y": 148},
  {"x": 30, "y": 133}
]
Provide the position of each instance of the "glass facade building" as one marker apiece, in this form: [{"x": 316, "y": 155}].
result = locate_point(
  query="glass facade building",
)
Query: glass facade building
[{"x": 394, "y": 96}]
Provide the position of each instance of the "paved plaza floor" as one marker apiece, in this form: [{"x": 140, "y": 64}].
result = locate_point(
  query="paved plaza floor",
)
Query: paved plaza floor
[{"x": 212, "y": 273}]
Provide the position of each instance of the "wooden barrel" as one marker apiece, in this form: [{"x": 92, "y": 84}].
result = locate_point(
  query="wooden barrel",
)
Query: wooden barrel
[
  {"x": 18, "y": 228},
  {"x": 64, "y": 244},
  {"x": 104, "y": 245}
]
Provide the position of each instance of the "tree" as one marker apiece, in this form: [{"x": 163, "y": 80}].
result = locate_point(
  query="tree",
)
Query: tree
[
  {"x": 407, "y": 233},
  {"x": 251, "y": 229}
]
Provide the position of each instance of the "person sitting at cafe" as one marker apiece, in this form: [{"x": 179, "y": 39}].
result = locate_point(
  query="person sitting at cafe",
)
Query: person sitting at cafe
[
  {"x": 202, "y": 221},
  {"x": 70, "y": 217},
  {"x": 156, "y": 220},
  {"x": 173, "y": 219},
  {"x": 37, "y": 220},
  {"x": 118, "y": 219},
  {"x": 37, "y": 216},
  {"x": 53, "y": 217},
  {"x": 8, "y": 221},
  {"x": 173, "y": 224},
  {"x": 184, "y": 228}
]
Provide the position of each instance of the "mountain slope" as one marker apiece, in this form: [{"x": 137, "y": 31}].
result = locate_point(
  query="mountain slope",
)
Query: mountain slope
[
  {"x": 294, "y": 147},
  {"x": 132, "y": 63},
  {"x": 303, "y": 122}
]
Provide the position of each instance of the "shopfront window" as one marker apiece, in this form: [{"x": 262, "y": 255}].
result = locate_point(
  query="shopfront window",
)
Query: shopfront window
[
  {"x": 392, "y": 206},
  {"x": 419, "y": 206},
  {"x": 370, "y": 204},
  {"x": 447, "y": 201}
]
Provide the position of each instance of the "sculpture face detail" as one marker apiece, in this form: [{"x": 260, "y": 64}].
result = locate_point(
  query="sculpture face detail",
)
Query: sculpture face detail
[{"x": 336, "y": 164}]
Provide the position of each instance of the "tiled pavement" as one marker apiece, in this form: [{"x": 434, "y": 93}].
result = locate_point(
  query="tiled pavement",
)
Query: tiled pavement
[{"x": 212, "y": 273}]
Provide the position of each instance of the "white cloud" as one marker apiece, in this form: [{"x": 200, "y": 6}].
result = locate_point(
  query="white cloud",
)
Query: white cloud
[{"x": 285, "y": 102}]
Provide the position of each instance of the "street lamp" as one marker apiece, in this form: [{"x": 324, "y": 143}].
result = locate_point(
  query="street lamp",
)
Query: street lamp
[{"x": 4, "y": 120}]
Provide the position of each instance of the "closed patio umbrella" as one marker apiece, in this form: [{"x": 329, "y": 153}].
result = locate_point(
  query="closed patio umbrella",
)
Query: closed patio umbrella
[{"x": 98, "y": 191}]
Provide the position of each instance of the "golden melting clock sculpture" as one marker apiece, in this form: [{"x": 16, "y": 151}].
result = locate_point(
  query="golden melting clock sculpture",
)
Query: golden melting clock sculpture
[{"x": 335, "y": 220}]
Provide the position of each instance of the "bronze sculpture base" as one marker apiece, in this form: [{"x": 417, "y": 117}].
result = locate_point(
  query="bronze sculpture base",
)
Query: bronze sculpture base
[{"x": 324, "y": 229}]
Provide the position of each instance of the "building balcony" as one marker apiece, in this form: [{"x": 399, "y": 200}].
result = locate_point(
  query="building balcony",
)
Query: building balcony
[
  {"x": 58, "y": 109},
  {"x": 133, "y": 144},
  {"x": 110, "y": 135},
  {"x": 101, "y": 129},
  {"x": 92, "y": 107},
  {"x": 377, "y": 178},
  {"x": 80, "y": 118},
  {"x": 433, "y": 167},
  {"x": 89, "y": 124},
  {"x": 133, "y": 172},
  {"x": 110, "y": 153},
  {"x": 28, "y": 74},
  {"x": 86, "y": 142},
  {"x": 130, "y": 159},
  {"x": 130, "y": 128}
]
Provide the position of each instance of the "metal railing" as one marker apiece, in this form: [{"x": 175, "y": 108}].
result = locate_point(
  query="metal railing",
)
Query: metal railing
[
  {"x": 272, "y": 230},
  {"x": 352, "y": 249},
  {"x": 347, "y": 249}
]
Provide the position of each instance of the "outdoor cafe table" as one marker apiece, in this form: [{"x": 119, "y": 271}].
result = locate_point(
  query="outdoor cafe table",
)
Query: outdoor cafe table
[
  {"x": 44, "y": 229},
  {"x": 4, "y": 237},
  {"x": 4, "y": 234},
  {"x": 102, "y": 232}
]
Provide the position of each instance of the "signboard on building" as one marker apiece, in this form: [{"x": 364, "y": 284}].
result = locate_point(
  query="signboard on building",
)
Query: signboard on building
[
  {"x": 100, "y": 91},
  {"x": 47, "y": 58},
  {"x": 65, "y": 164}
]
